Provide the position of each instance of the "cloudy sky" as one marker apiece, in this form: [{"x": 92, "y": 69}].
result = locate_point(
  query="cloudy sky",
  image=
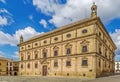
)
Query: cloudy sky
[{"x": 33, "y": 17}]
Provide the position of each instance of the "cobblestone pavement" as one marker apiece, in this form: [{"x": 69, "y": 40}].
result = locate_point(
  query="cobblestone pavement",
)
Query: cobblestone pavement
[{"x": 114, "y": 78}]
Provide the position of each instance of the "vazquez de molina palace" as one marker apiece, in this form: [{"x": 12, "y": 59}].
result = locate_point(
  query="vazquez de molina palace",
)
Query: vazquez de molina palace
[{"x": 83, "y": 48}]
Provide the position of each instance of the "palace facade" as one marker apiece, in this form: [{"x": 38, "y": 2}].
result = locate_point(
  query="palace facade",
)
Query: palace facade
[{"x": 83, "y": 48}]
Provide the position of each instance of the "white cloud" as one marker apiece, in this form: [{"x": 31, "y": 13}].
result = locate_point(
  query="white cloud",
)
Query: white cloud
[
  {"x": 13, "y": 40},
  {"x": 116, "y": 38},
  {"x": 4, "y": 11},
  {"x": 76, "y": 10},
  {"x": 3, "y": 1},
  {"x": 5, "y": 17},
  {"x": 3, "y": 21},
  {"x": 43, "y": 22}
]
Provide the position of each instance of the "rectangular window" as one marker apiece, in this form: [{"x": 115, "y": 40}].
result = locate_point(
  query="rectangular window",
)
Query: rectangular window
[
  {"x": 68, "y": 51},
  {"x": 84, "y": 62},
  {"x": 28, "y": 57},
  {"x": 21, "y": 58},
  {"x": 36, "y": 65},
  {"x": 10, "y": 63},
  {"x": 68, "y": 63},
  {"x": 44, "y": 55},
  {"x": 55, "y": 64},
  {"x": 84, "y": 49},
  {"x": 55, "y": 52},
  {"x": 36, "y": 56}
]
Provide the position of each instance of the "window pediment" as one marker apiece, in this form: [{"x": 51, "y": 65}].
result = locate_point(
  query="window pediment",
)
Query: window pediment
[
  {"x": 84, "y": 42},
  {"x": 68, "y": 45},
  {"x": 56, "y": 48},
  {"x": 44, "y": 50}
]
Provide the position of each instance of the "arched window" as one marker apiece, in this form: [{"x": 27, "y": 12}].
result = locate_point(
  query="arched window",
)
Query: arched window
[
  {"x": 85, "y": 45},
  {"x": 44, "y": 53},
  {"x": 68, "y": 49},
  {"x": 84, "y": 48},
  {"x": 21, "y": 56},
  {"x": 36, "y": 54},
  {"x": 28, "y": 57},
  {"x": 55, "y": 49}
]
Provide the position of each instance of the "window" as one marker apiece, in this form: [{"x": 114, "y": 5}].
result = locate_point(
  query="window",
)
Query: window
[
  {"x": 55, "y": 38},
  {"x": 68, "y": 63},
  {"x": 68, "y": 35},
  {"x": 22, "y": 47},
  {"x": 28, "y": 57},
  {"x": 10, "y": 63},
  {"x": 36, "y": 56},
  {"x": 28, "y": 65},
  {"x": 99, "y": 34},
  {"x": 84, "y": 62},
  {"x": 68, "y": 51},
  {"x": 10, "y": 68},
  {"x": 36, "y": 44},
  {"x": 55, "y": 63},
  {"x": 45, "y": 42},
  {"x": 84, "y": 48},
  {"x": 84, "y": 31},
  {"x": 28, "y": 46},
  {"x": 44, "y": 54},
  {"x": 21, "y": 66},
  {"x": 21, "y": 58},
  {"x": 36, "y": 65},
  {"x": 55, "y": 52}
]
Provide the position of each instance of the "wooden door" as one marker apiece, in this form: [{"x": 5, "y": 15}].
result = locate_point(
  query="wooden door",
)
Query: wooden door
[{"x": 44, "y": 70}]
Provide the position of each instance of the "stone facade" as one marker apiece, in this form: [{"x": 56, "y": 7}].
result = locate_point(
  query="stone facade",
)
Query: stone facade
[
  {"x": 83, "y": 49},
  {"x": 12, "y": 67},
  {"x": 8, "y": 67},
  {"x": 3, "y": 67}
]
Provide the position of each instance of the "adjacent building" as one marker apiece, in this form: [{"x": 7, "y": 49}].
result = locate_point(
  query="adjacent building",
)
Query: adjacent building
[
  {"x": 8, "y": 67},
  {"x": 83, "y": 48},
  {"x": 117, "y": 66},
  {"x": 3, "y": 66},
  {"x": 12, "y": 67}
]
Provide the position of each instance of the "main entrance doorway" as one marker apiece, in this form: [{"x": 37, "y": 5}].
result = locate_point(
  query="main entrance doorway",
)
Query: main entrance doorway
[{"x": 44, "y": 70}]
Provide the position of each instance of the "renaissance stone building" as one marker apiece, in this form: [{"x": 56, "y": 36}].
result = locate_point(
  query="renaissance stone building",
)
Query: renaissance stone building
[
  {"x": 83, "y": 48},
  {"x": 8, "y": 67}
]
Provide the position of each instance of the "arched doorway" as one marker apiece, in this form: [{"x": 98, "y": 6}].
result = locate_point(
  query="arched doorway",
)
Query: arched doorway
[{"x": 15, "y": 73}]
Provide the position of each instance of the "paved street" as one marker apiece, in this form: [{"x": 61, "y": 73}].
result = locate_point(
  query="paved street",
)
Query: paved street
[{"x": 114, "y": 78}]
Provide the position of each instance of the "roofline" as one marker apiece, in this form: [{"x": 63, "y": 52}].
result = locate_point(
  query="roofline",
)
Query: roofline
[
  {"x": 107, "y": 32},
  {"x": 60, "y": 28}
]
